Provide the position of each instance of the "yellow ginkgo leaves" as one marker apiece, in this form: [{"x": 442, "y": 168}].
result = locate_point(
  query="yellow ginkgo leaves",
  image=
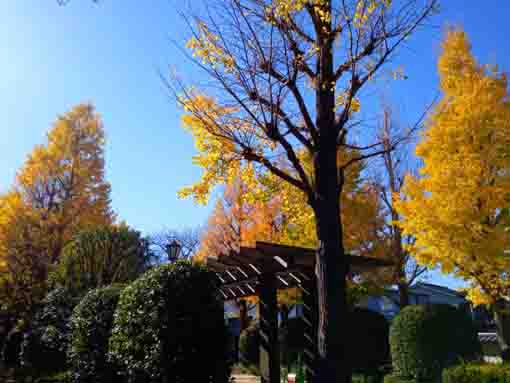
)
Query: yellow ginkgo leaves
[{"x": 458, "y": 209}]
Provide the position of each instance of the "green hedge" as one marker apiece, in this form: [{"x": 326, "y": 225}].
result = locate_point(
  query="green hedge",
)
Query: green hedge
[
  {"x": 369, "y": 348},
  {"x": 91, "y": 325},
  {"x": 45, "y": 345},
  {"x": 426, "y": 339},
  {"x": 169, "y": 326},
  {"x": 477, "y": 373}
]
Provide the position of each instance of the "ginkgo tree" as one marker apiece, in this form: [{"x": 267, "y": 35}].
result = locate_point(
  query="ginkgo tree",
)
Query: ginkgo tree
[
  {"x": 60, "y": 190},
  {"x": 457, "y": 209},
  {"x": 287, "y": 75}
]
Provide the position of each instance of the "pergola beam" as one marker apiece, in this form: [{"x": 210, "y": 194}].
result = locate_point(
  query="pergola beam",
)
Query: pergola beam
[{"x": 269, "y": 350}]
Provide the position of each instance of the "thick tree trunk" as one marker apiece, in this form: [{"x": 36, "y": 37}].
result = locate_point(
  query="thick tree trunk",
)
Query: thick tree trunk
[
  {"x": 331, "y": 271},
  {"x": 331, "y": 261},
  {"x": 502, "y": 319},
  {"x": 403, "y": 292},
  {"x": 243, "y": 314}
]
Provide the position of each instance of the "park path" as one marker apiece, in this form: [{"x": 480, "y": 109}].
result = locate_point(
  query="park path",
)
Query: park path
[{"x": 245, "y": 378}]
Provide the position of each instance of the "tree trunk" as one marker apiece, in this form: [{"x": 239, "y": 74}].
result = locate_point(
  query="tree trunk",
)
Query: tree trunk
[
  {"x": 284, "y": 328},
  {"x": 243, "y": 314},
  {"x": 502, "y": 319},
  {"x": 403, "y": 292},
  {"x": 284, "y": 312},
  {"x": 331, "y": 261},
  {"x": 331, "y": 271}
]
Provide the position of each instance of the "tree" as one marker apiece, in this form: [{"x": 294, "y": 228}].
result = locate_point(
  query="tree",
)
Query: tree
[
  {"x": 236, "y": 222},
  {"x": 392, "y": 244},
  {"x": 101, "y": 256},
  {"x": 263, "y": 55},
  {"x": 458, "y": 209},
  {"x": 59, "y": 190}
]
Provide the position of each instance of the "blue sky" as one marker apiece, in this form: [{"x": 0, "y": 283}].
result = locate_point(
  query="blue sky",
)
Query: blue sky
[{"x": 111, "y": 54}]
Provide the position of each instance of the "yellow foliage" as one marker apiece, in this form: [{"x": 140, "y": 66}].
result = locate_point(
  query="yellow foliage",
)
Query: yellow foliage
[
  {"x": 365, "y": 9},
  {"x": 343, "y": 100},
  {"x": 216, "y": 133},
  {"x": 458, "y": 208},
  {"x": 207, "y": 47},
  {"x": 59, "y": 190},
  {"x": 262, "y": 207}
]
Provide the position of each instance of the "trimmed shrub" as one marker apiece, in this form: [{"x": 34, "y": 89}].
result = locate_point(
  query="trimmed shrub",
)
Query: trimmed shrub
[
  {"x": 426, "y": 339},
  {"x": 12, "y": 348},
  {"x": 369, "y": 348},
  {"x": 91, "y": 325},
  {"x": 477, "y": 373},
  {"x": 45, "y": 346},
  {"x": 249, "y": 343},
  {"x": 169, "y": 326}
]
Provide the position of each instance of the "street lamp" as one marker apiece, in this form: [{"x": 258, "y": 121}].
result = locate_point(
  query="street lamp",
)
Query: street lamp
[{"x": 173, "y": 250}]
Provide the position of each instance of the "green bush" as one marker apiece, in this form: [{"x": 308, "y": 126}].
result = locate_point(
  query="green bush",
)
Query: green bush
[
  {"x": 369, "y": 348},
  {"x": 100, "y": 256},
  {"x": 91, "y": 325},
  {"x": 12, "y": 348},
  {"x": 249, "y": 342},
  {"x": 45, "y": 345},
  {"x": 426, "y": 339},
  {"x": 169, "y": 326},
  {"x": 477, "y": 373}
]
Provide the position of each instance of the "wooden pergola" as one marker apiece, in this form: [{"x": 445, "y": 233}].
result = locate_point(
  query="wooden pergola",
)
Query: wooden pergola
[{"x": 262, "y": 270}]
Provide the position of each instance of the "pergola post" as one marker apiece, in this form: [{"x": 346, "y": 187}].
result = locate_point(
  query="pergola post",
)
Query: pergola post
[
  {"x": 269, "y": 350},
  {"x": 310, "y": 315}
]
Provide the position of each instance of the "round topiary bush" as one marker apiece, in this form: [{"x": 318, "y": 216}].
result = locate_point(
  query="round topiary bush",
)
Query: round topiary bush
[
  {"x": 249, "y": 342},
  {"x": 91, "y": 326},
  {"x": 426, "y": 339},
  {"x": 44, "y": 346},
  {"x": 369, "y": 348},
  {"x": 169, "y": 326}
]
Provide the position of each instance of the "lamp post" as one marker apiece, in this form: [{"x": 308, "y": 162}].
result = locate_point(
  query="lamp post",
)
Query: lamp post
[{"x": 173, "y": 250}]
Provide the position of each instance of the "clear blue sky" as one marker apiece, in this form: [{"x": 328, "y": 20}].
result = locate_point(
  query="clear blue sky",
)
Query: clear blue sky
[{"x": 53, "y": 57}]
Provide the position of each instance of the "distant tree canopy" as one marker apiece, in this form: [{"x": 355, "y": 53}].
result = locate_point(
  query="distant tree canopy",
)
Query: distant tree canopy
[
  {"x": 60, "y": 190},
  {"x": 102, "y": 256}
]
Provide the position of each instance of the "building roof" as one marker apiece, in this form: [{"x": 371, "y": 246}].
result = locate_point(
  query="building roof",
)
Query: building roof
[{"x": 438, "y": 289}]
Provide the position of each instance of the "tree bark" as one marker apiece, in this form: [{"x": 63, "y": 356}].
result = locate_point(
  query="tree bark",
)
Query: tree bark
[
  {"x": 403, "y": 292},
  {"x": 502, "y": 319},
  {"x": 331, "y": 261},
  {"x": 331, "y": 270},
  {"x": 243, "y": 314}
]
